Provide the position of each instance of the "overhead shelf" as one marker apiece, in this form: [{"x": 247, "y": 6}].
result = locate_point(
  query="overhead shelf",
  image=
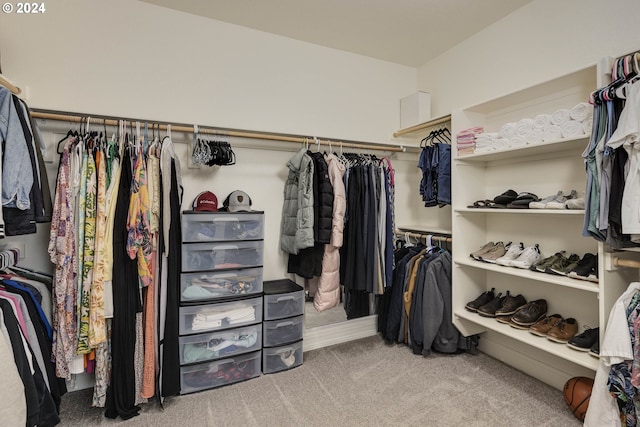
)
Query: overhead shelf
[{"x": 416, "y": 131}]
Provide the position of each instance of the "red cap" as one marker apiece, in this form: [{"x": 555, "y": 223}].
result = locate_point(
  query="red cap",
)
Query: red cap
[{"x": 205, "y": 202}]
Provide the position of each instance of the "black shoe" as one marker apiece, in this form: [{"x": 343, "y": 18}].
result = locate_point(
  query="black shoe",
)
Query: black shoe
[
  {"x": 489, "y": 309},
  {"x": 585, "y": 340},
  {"x": 483, "y": 299},
  {"x": 595, "y": 349},
  {"x": 510, "y": 305},
  {"x": 586, "y": 266}
]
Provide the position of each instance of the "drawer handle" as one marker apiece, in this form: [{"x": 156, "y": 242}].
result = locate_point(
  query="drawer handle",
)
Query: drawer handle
[
  {"x": 287, "y": 298},
  {"x": 284, "y": 324},
  {"x": 217, "y": 248},
  {"x": 232, "y": 219}
]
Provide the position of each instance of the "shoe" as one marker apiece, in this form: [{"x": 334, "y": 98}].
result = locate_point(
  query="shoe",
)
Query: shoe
[
  {"x": 585, "y": 266},
  {"x": 512, "y": 253},
  {"x": 541, "y": 203},
  {"x": 564, "y": 265},
  {"x": 498, "y": 250},
  {"x": 595, "y": 349},
  {"x": 563, "y": 331},
  {"x": 483, "y": 299},
  {"x": 505, "y": 198},
  {"x": 577, "y": 204},
  {"x": 542, "y": 327},
  {"x": 489, "y": 309},
  {"x": 593, "y": 274},
  {"x": 559, "y": 202},
  {"x": 545, "y": 263},
  {"x": 504, "y": 319},
  {"x": 530, "y": 313},
  {"x": 523, "y": 200},
  {"x": 527, "y": 258},
  {"x": 510, "y": 305},
  {"x": 585, "y": 340},
  {"x": 486, "y": 248}
]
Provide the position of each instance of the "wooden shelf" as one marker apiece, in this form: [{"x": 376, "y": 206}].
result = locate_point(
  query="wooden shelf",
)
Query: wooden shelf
[
  {"x": 418, "y": 130},
  {"x": 568, "y": 282},
  {"x": 561, "y": 350},
  {"x": 423, "y": 229}
]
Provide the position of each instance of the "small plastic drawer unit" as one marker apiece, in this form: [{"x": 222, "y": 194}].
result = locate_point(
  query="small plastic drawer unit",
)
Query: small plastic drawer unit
[
  {"x": 278, "y": 359},
  {"x": 219, "y": 226},
  {"x": 217, "y": 345},
  {"x": 202, "y": 318},
  {"x": 223, "y": 255},
  {"x": 205, "y": 286},
  {"x": 282, "y": 298},
  {"x": 282, "y": 331},
  {"x": 220, "y": 372}
]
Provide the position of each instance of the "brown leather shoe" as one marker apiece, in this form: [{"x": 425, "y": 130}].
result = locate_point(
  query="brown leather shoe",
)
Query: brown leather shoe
[
  {"x": 543, "y": 326},
  {"x": 563, "y": 331},
  {"x": 530, "y": 313}
]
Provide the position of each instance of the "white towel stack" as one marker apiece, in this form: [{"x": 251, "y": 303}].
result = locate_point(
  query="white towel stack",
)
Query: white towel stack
[{"x": 561, "y": 116}]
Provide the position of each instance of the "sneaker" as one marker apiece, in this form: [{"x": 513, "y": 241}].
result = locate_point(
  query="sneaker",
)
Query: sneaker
[
  {"x": 530, "y": 313},
  {"x": 484, "y": 298},
  {"x": 586, "y": 266},
  {"x": 564, "y": 265},
  {"x": 486, "y": 248},
  {"x": 595, "y": 349},
  {"x": 593, "y": 274},
  {"x": 541, "y": 204},
  {"x": 527, "y": 258},
  {"x": 577, "y": 204},
  {"x": 489, "y": 309},
  {"x": 498, "y": 250},
  {"x": 585, "y": 340},
  {"x": 510, "y": 305},
  {"x": 559, "y": 201},
  {"x": 542, "y": 327},
  {"x": 512, "y": 253},
  {"x": 543, "y": 264},
  {"x": 563, "y": 331}
]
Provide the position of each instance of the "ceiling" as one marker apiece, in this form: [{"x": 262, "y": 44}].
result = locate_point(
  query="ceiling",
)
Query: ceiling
[{"x": 408, "y": 32}]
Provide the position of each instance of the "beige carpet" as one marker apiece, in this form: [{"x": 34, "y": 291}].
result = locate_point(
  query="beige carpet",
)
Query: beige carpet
[{"x": 361, "y": 383}]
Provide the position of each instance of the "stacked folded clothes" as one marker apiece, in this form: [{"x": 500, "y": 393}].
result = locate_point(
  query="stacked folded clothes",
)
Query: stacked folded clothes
[
  {"x": 466, "y": 140},
  {"x": 222, "y": 317}
]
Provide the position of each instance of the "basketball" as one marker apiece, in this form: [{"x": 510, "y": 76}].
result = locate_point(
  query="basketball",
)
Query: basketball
[{"x": 577, "y": 392}]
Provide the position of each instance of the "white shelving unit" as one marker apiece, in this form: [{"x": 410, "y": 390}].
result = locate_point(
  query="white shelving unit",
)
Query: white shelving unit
[{"x": 541, "y": 169}]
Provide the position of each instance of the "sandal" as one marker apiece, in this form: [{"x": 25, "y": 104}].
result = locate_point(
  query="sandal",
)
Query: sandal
[{"x": 480, "y": 204}]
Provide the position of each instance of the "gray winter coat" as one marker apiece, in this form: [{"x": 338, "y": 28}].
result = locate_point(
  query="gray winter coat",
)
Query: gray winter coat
[{"x": 296, "y": 228}]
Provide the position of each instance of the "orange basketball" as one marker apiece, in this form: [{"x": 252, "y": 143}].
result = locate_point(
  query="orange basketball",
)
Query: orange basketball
[{"x": 577, "y": 392}]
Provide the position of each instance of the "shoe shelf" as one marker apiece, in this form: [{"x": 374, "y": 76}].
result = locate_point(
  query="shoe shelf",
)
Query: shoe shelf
[
  {"x": 552, "y": 279},
  {"x": 560, "y": 350}
]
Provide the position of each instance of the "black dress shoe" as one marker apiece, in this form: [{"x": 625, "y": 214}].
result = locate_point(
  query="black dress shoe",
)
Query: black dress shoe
[
  {"x": 530, "y": 313},
  {"x": 489, "y": 309},
  {"x": 483, "y": 299},
  {"x": 585, "y": 340}
]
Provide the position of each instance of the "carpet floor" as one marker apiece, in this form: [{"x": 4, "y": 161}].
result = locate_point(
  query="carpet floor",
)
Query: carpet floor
[{"x": 360, "y": 383}]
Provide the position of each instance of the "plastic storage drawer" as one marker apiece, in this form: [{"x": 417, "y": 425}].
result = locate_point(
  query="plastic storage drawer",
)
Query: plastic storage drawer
[
  {"x": 220, "y": 372},
  {"x": 218, "y": 256},
  {"x": 283, "y": 305},
  {"x": 218, "y": 226},
  {"x": 281, "y": 358},
  {"x": 224, "y": 284},
  {"x": 218, "y": 345},
  {"x": 282, "y": 331},
  {"x": 202, "y": 318}
]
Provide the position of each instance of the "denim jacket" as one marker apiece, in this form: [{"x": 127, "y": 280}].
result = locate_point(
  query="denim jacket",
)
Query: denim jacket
[{"x": 17, "y": 173}]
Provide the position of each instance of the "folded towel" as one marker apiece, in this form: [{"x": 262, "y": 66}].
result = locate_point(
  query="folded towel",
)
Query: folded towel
[
  {"x": 552, "y": 132},
  {"x": 523, "y": 127},
  {"x": 517, "y": 141},
  {"x": 581, "y": 111},
  {"x": 587, "y": 125},
  {"x": 571, "y": 129},
  {"x": 534, "y": 137},
  {"x": 508, "y": 130},
  {"x": 560, "y": 116},
  {"x": 541, "y": 121}
]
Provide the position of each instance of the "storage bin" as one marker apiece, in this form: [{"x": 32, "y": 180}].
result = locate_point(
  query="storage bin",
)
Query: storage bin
[
  {"x": 202, "y": 318},
  {"x": 282, "y": 298},
  {"x": 220, "y": 372},
  {"x": 281, "y": 358},
  {"x": 218, "y": 345},
  {"x": 283, "y": 331},
  {"x": 205, "y": 286},
  {"x": 221, "y": 256},
  {"x": 217, "y": 226}
]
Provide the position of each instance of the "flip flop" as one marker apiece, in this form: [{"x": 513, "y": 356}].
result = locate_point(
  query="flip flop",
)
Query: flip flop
[{"x": 480, "y": 204}]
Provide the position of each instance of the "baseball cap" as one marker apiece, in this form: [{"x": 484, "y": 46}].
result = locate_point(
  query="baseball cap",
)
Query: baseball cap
[
  {"x": 205, "y": 202},
  {"x": 238, "y": 201}
]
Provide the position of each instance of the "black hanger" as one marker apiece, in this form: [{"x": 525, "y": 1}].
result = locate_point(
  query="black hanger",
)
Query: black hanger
[{"x": 69, "y": 134}]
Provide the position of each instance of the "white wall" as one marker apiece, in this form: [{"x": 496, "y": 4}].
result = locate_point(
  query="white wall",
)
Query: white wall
[
  {"x": 130, "y": 59},
  {"x": 542, "y": 40}
]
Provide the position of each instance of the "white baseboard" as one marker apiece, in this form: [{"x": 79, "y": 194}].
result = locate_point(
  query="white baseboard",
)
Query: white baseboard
[{"x": 337, "y": 333}]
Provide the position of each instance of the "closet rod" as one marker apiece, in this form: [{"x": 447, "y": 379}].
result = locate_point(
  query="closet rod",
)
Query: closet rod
[
  {"x": 13, "y": 88},
  {"x": 113, "y": 121},
  {"x": 621, "y": 262},
  {"x": 423, "y": 236},
  {"x": 421, "y": 126}
]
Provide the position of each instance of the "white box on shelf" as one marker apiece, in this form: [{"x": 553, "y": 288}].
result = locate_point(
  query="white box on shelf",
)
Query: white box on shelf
[{"x": 415, "y": 109}]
